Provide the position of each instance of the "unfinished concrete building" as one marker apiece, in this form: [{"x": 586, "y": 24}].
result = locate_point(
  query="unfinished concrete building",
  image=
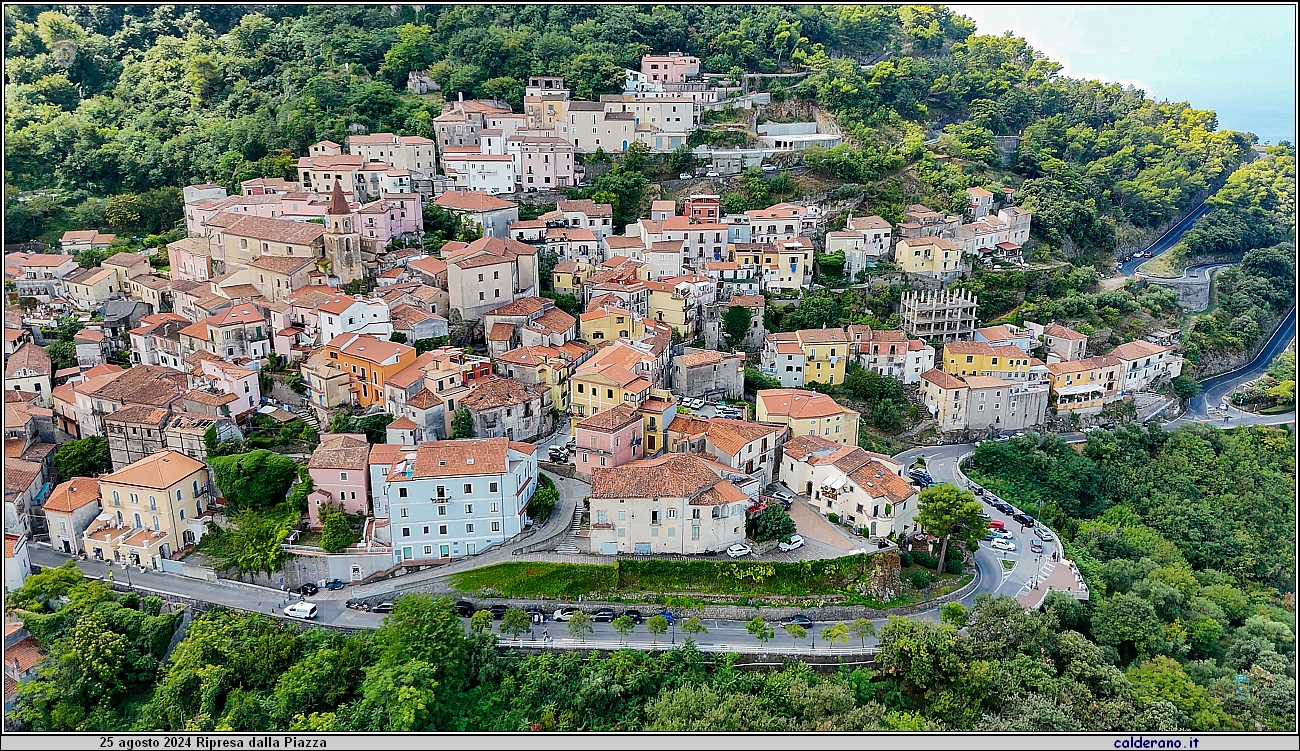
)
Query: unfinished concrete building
[{"x": 945, "y": 315}]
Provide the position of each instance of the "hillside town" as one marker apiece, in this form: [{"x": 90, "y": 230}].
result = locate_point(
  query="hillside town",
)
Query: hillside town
[{"x": 641, "y": 376}]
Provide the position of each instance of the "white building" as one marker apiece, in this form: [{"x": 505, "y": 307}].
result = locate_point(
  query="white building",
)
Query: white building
[
  {"x": 451, "y": 499},
  {"x": 863, "y": 489},
  {"x": 354, "y": 315},
  {"x": 1145, "y": 363}
]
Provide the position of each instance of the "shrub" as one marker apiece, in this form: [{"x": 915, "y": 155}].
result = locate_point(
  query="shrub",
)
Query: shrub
[
  {"x": 920, "y": 579},
  {"x": 834, "y": 518},
  {"x": 904, "y": 559},
  {"x": 953, "y": 566}
]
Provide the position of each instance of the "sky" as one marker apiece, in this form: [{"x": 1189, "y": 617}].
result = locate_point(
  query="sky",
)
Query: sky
[{"x": 1238, "y": 60}]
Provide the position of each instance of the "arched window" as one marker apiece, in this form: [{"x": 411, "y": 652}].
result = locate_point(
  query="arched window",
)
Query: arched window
[{"x": 137, "y": 521}]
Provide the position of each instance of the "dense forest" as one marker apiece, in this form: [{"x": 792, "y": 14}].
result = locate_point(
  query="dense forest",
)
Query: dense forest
[{"x": 993, "y": 668}]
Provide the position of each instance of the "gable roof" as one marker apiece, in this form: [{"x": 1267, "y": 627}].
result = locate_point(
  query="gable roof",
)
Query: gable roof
[
  {"x": 157, "y": 471},
  {"x": 29, "y": 356},
  {"x": 274, "y": 230},
  {"x": 668, "y": 476},
  {"x": 470, "y": 200},
  {"x": 73, "y": 494},
  {"x": 473, "y": 456},
  {"x": 799, "y": 405},
  {"x": 731, "y": 436}
]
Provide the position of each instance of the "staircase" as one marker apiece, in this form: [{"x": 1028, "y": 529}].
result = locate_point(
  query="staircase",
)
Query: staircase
[
  {"x": 308, "y": 415},
  {"x": 568, "y": 547}
]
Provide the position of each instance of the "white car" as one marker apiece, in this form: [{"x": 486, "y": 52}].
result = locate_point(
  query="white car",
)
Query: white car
[
  {"x": 1044, "y": 534},
  {"x": 795, "y": 543},
  {"x": 303, "y": 610},
  {"x": 1006, "y": 545},
  {"x": 769, "y": 168},
  {"x": 739, "y": 550},
  {"x": 711, "y": 173},
  {"x": 1002, "y": 534},
  {"x": 1223, "y": 405},
  {"x": 685, "y": 176},
  {"x": 564, "y": 614}
]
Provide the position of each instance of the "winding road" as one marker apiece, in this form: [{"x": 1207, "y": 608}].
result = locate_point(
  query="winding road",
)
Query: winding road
[{"x": 1166, "y": 241}]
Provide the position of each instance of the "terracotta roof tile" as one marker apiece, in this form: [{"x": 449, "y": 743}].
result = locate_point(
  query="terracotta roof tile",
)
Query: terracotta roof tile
[
  {"x": 73, "y": 494},
  {"x": 667, "y": 476},
  {"x": 618, "y": 416},
  {"x": 160, "y": 470},
  {"x": 731, "y": 436},
  {"x": 474, "y": 456},
  {"x": 501, "y": 392}
]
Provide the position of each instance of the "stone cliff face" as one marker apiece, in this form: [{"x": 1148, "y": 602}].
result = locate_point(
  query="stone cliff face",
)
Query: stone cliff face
[{"x": 883, "y": 578}]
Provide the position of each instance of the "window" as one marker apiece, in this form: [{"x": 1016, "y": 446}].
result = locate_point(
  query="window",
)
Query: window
[
  {"x": 442, "y": 510},
  {"x": 401, "y": 492},
  {"x": 406, "y": 531},
  {"x": 343, "y": 475},
  {"x": 469, "y": 508},
  {"x": 496, "y": 526},
  {"x": 492, "y": 488},
  {"x": 469, "y": 529},
  {"x": 442, "y": 529},
  {"x": 405, "y": 513}
]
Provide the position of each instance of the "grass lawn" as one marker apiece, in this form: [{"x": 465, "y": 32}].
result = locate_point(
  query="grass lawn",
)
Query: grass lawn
[
  {"x": 1280, "y": 409},
  {"x": 663, "y": 580},
  {"x": 1008, "y": 565},
  {"x": 561, "y": 581}
]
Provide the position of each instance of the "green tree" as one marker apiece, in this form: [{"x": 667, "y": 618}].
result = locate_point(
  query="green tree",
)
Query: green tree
[
  {"x": 954, "y": 613},
  {"x": 623, "y": 625},
  {"x": 398, "y": 337},
  {"x": 85, "y": 457},
  {"x": 255, "y": 480},
  {"x": 481, "y": 620},
  {"x": 657, "y": 626},
  {"x": 694, "y": 625},
  {"x": 734, "y": 203},
  {"x": 836, "y": 634},
  {"x": 62, "y": 355},
  {"x": 1185, "y": 387},
  {"x": 634, "y": 157},
  {"x": 735, "y": 324},
  {"x": 462, "y": 425},
  {"x": 772, "y": 524},
  {"x": 580, "y": 626},
  {"x": 336, "y": 532},
  {"x": 759, "y": 629},
  {"x": 796, "y": 631},
  {"x": 862, "y": 628},
  {"x": 945, "y": 511},
  {"x": 516, "y": 623}
]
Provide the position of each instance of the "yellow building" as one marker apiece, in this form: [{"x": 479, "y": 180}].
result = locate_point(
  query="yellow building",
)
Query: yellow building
[
  {"x": 568, "y": 276},
  {"x": 606, "y": 323},
  {"x": 546, "y": 366},
  {"x": 1006, "y": 362},
  {"x": 669, "y": 305},
  {"x": 808, "y": 413},
  {"x": 826, "y": 351},
  {"x": 787, "y": 264},
  {"x": 1085, "y": 386},
  {"x": 938, "y": 257},
  {"x": 151, "y": 509},
  {"x": 595, "y": 387}
]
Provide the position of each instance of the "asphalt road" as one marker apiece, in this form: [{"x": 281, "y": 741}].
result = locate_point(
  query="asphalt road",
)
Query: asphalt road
[
  {"x": 1214, "y": 391},
  {"x": 1166, "y": 241}
]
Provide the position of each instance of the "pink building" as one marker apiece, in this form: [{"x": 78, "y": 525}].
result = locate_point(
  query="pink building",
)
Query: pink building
[
  {"x": 297, "y": 205},
  {"x": 397, "y": 214},
  {"x": 609, "y": 438},
  {"x": 189, "y": 259},
  {"x": 671, "y": 68},
  {"x": 221, "y": 377},
  {"x": 339, "y": 475}
]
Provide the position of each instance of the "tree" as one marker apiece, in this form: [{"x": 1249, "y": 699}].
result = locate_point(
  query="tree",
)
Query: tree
[
  {"x": 336, "y": 532},
  {"x": 580, "y": 626},
  {"x": 945, "y": 510},
  {"x": 735, "y": 323},
  {"x": 1126, "y": 622},
  {"x": 694, "y": 625},
  {"x": 86, "y": 457},
  {"x": 62, "y": 355},
  {"x": 634, "y": 158},
  {"x": 623, "y": 625},
  {"x": 1185, "y": 387},
  {"x": 398, "y": 337},
  {"x": 255, "y": 480},
  {"x": 734, "y": 203},
  {"x": 862, "y": 628},
  {"x": 657, "y": 626},
  {"x": 544, "y": 498},
  {"x": 796, "y": 631},
  {"x": 462, "y": 425},
  {"x": 516, "y": 623},
  {"x": 760, "y": 630},
  {"x": 481, "y": 620},
  {"x": 772, "y": 524},
  {"x": 954, "y": 613},
  {"x": 837, "y": 634}
]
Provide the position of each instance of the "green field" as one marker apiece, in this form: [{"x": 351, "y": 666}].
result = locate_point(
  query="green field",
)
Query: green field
[{"x": 667, "y": 579}]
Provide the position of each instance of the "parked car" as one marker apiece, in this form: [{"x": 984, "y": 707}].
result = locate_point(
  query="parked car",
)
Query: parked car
[
  {"x": 498, "y": 611},
  {"x": 1006, "y": 545},
  {"x": 985, "y": 516},
  {"x": 799, "y": 620},
  {"x": 739, "y": 550},
  {"x": 564, "y": 614},
  {"x": 535, "y": 614},
  {"x": 769, "y": 168},
  {"x": 711, "y": 173},
  {"x": 977, "y": 490},
  {"x": 996, "y": 524},
  {"x": 304, "y": 610},
  {"x": 685, "y": 176},
  {"x": 1035, "y": 547},
  {"x": 463, "y": 608},
  {"x": 796, "y": 542},
  {"x": 604, "y": 615},
  {"x": 1025, "y": 519},
  {"x": 989, "y": 537},
  {"x": 335, "y": 584},
  {"x": 383, "y": 607},
  {"x": 1044, "y": 534},
  {"x": 1223, "y": 405},
  {"x": 307, "y": 589},
  {"x": 667, "y": 617},
  {"x": 634, "y": 614},
  {"x": 783, "y": 495}
]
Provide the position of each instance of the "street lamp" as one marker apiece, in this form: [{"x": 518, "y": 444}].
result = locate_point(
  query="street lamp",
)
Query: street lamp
[{"x": 674, "y": 625}]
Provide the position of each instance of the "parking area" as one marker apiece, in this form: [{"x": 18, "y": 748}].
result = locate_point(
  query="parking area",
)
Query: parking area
[
  {"x": 706, "y": 411},
  {"x": 814, "y": 527}
]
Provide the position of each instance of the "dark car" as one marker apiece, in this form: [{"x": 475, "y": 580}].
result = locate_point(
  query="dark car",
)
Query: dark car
[
  {"x": 464, "y": 608},
  {"x": 799, "y": 620},
  {"x": 604, "y": 615},
  {"x": 498, "y": 611},
  {"x": 353, "y": 604},
  {"x": 635, "y": 615},
  {"x": 383, "y": 607},
  {"x": 335, "y": 584},
  {"x": 1024, "y": 520},
  {"x": 977, "y": 490},
  {"x": 668, "y": 617},
  {"x": 307, "y": 589},
  {"x": 535, "y": 614}
]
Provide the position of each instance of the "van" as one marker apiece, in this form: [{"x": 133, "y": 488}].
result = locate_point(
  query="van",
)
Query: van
[
  {"x": 304, "y": 610},
  {"x": 996, "y": 524}
]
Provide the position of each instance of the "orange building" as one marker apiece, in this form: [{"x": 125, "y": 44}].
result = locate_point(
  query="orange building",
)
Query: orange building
[{"x": 370, "y": 362}]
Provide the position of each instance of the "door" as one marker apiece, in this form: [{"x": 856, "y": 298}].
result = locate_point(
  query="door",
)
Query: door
[
  {"x": 609, "y": 548},
  {"x": 808, "y": 492},
  {"x": 356, "y": 573},
  {"x": 67, "y": 547},
  {"x": 444, "y": 551},
  {"x": 469, "y": 548},
  {"x": 642, "y": 548}
]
